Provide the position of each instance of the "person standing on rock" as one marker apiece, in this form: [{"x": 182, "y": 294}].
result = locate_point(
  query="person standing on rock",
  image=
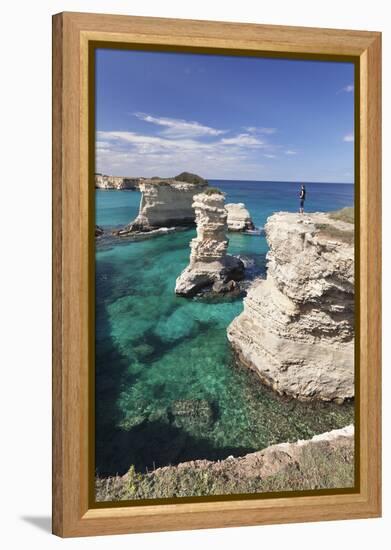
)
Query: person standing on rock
[{"x": 302, "y": 199}]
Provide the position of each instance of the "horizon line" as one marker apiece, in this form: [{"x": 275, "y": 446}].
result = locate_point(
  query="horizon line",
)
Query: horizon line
[{"x": 298, "y": 181}]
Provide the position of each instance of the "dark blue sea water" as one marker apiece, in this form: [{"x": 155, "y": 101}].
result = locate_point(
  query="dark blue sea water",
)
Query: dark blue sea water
[{"x": 167, "y": 386}]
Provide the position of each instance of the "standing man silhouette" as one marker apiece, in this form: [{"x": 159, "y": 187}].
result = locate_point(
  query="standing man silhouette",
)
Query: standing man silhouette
[{"x": 302, "y": 199}]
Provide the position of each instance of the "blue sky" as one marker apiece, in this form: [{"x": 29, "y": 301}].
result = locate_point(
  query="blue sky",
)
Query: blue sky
[{"x": 224, "y": 117}]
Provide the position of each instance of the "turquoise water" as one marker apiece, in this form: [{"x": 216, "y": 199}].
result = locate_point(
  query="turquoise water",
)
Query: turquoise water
[{"x": 167, "y": 386}]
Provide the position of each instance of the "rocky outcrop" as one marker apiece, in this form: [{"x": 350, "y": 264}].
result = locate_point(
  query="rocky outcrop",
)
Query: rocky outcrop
[
  {"x": 239, "y": 218},
  {"x": 116, "y": 182},
  {"x": 165, "y": 203},
  {"x": 297, "y": 327},
  {"x": 210, "y": 267},
  {"x": 98, "y": 231}
]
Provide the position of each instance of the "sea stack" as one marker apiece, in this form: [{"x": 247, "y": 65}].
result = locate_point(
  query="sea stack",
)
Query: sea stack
[
  {"x": 166, "y": 203},
  {"x": 297, "y": 327},
  {"x": 239, "y": 218},
  {"x": 210, "y": 267}
]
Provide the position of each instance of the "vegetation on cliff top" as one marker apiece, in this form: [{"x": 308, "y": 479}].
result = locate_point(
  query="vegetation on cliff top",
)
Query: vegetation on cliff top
[
  {"x": 188, "y": 177},
  {"x": 343, "y": 215},
  {"x": 320, "y": 467},
  {"x": 212, "y": 191},
  {"x": 332, "y": 232},
  {"x": 185, "y": 177}
]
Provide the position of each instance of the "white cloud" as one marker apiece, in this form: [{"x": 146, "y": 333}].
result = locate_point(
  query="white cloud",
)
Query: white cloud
[
  {"x": 130, "y": 153},
  {"x": 181, "y": 145},
  {"x": 243, "y": 140},
  {"x": 290, "y": 152},
  {"x": 149, "y": 144},
  {"x": 348, "y": 137},
  {"x": 102, "y": 145},
  {"x": 349, "y": 88},
  {"x": 260, "y": 130},
  {"x": 178, "y": 127}
]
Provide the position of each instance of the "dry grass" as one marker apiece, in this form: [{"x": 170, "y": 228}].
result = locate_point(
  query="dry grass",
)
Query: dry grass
[
  {"x": 344, "y": 215},
  {"x": 319, "y": 467},
  {"x": 334, "y": 233}
]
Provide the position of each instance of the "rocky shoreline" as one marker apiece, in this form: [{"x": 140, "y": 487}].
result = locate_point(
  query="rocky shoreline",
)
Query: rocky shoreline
[
  {"x": 296, "y": 332},
  {"x": 168, "y": 203}
]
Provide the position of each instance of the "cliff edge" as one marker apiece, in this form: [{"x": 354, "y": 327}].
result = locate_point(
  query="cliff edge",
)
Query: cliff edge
[
  {"x": 297, "y": 327},
  {"x": 325, "y": 461}
]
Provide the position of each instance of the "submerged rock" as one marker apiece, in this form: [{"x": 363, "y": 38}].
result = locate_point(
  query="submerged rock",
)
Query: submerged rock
[
  {"x": 192, "y": 412},
  {"x": 98, "y": 231},
  {"x": 166, "y": 203},
  {"x": 210, "y": 268},
  {"x": 239, "y": 218},
  {"x": 297, "y": 327},
  {"x": 133, "y": 422}
]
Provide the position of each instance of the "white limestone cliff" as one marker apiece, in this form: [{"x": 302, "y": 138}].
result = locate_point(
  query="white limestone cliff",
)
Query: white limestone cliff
[
  {"x": 239, "y": 218},
  {"x": 210, "y": 266},
  {"x": 297, "y": 327},
  {"x": 116, "y": 182},
  {"x": 165, "y": 203}
]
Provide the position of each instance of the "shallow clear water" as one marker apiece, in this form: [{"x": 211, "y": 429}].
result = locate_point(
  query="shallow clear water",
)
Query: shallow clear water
[{"x": 167, "y": 386}]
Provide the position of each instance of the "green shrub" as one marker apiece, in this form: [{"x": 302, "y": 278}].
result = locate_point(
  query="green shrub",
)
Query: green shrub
[
  {"x": 212, "y": 191},
  {"x": 188, "y": 177}
]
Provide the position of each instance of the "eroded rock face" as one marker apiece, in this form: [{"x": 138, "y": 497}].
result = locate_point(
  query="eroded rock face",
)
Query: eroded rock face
[
  {"x": 297, "y": 327},
  {"x": 116, "y": 182},
  {"x": 239, "y": 218},
  {"x": 210, "y": 266},
  {"x": 165, "y": 203}
]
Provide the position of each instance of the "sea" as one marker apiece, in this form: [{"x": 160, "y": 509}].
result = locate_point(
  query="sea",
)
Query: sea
[{"x": 168, "y": 388}]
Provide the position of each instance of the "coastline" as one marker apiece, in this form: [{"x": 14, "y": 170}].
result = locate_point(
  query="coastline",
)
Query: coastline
[{"x": 236, "y": 242}]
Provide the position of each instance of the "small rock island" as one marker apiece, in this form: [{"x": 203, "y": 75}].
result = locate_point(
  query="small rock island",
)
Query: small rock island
[
  {"x": 239, "y": 218},
  {"x": 210, "y": 268}
]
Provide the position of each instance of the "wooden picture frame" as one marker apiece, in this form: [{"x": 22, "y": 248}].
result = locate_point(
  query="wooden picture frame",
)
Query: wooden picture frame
[{"x": 73, "y": 34}]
